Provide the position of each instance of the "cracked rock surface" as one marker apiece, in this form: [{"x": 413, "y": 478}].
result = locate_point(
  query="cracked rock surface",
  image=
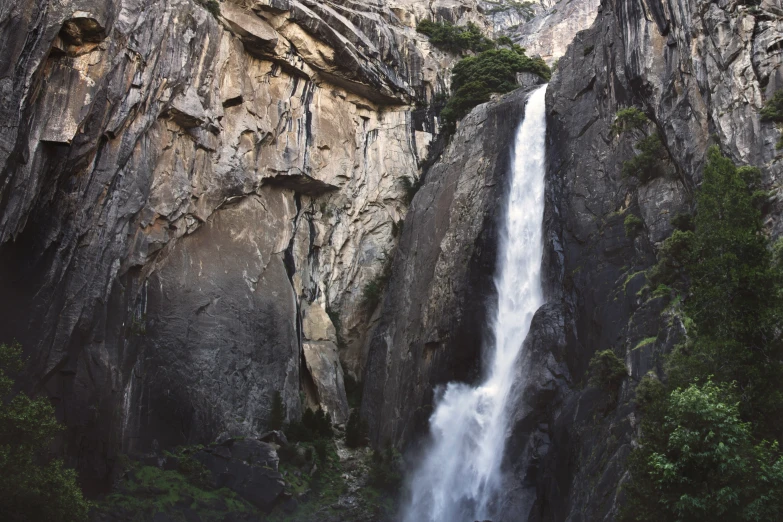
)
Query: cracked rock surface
[{"x": 176, "y": 188}]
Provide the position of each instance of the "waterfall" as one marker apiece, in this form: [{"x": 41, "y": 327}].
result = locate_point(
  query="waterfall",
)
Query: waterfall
[{"x": 459, "y": 473}]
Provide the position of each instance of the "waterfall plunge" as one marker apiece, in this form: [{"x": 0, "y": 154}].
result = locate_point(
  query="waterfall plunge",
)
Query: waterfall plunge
[{"x": 460, "y": 472}]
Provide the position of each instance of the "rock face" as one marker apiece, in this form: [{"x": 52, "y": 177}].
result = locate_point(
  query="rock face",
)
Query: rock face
[
  {"x": 545, "y": 27},
  {"x": 699, "y": 72},
  {"x": 177, "y": 188},
  {"x": 554, "y": 26},
  {"x": 248, "y": 467},
  {"x": 192, "y": 206},
  {"x": 432, "y": 321}
]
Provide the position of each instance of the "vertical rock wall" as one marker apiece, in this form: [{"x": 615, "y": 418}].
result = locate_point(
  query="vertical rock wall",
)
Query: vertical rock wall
[
  {"x": 701, "y": 72},
  {"x": 433, "y": 317},
  {"x": 175, "y": 188}
]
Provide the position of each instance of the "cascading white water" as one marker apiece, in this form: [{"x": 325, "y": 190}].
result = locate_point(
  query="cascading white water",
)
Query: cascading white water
[{"x": 460, "y": 472}]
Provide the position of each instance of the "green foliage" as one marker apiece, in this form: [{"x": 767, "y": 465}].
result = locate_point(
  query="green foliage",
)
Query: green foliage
[
  {"x": 734, "y": 301},
  {"x": 194, "y": 471},
  {"x": 411, "y": 187},
  {"x": 455, "y": 38},
  {"x": 606, "y": 370},
  {"x": 315, "y": 425},
  {"x": 633, "y": 225},
  {"x": 773, "y": 109},
  {"x": 700, "y": 462},
  {"x": 278, "y": 414},
  {"x": 212, "y": 6},
  {"x": 33, "y": 486},
  {"x": 504, "y": 41},
  {"x": 321, "y": 447},
  {"x": 476, "y": 78},
  {"x": 386, "y": 469},
  {"x": 587, "y": 50},
  {"x": 147, "y": 490},
  {"x": 628, "y": 119},
  {"x": 647, "y": 164},
  {"x": 674, "y": 255},
  {"x": 703, "y": 454},
  {"x": 356, "y": 430},
  {"x": 682, "y": 222}
]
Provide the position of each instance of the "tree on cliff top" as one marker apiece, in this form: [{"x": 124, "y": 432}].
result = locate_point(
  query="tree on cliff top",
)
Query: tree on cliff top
[
  {"x": 33, "y": 486},
  {"x": 476, "y": 78}
]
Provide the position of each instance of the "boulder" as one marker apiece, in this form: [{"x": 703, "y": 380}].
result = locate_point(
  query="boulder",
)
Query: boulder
[
  {"x": 323, "y": 363},
  {"x": 249, "y": 469}
]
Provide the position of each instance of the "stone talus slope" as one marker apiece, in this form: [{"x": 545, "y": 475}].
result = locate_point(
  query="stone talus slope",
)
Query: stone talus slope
[{"x": 177, "y": 191}]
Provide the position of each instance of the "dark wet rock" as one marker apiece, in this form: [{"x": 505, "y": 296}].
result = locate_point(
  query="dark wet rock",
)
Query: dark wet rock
[
  {"x": 432, "y": 324},
  {"x": 176, "y": 187},
  {"x": 250, "y": 471}
]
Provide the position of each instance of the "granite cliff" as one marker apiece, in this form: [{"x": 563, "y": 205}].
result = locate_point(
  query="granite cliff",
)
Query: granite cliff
[
  {"x": 187, "y": 199},
  {"x": 193, "y": 202}
]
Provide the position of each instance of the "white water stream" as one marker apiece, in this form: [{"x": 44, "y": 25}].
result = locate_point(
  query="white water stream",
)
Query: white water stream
[{"x": 459, "y": 474}]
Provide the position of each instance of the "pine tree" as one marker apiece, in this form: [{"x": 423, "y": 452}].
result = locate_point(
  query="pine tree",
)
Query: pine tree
[{"x": 278, "y": 414}]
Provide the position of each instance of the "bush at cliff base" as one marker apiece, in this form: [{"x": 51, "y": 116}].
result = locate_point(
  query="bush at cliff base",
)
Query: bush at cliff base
[{"x": 33, "y": 486}]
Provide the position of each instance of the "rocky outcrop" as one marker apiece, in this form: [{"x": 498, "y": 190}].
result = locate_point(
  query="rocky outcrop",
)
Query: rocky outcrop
[
  {"x": 248, "y": 467},
  {"x": 431, "y": 329},
  {"x": 545, "y": 27},
  {"x": 696, "y": 71},
  {"x": 554, "y": 27},
  {"x": 177, "y": 187}
]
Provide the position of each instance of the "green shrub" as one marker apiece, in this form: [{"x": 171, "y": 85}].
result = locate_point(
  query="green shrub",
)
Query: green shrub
[
  {"x": 587, "y": 50},
  {"x": 147, "y": 490},
  {"x": 699, "y": 462},
  {"x": 356, "y": 430},
  {"x": 445, "y": 35},
  {"x": 647, "y": 164},
  {"x": 278, "y": 414},
  {"x": 650, "y": 397},
  {"x": 476, "y": 78},
  {"x": 411, "y": 186},
  {"x": 313, "y": 426},
  {"x": 504, "y": 41},
  {"x": 702, "y": 455},
  {"x": 633, "y": 225},
  {"x": 212, "y": 6},
  {"x": 773, "y": 109},
  {"x": 673, "y": 257},
  {"x": 682, "y": 222},
  {"x": 628, "y": 119},
  {"x": 386, "y": 469},
  {"x": 33, "y": 486},
  {"x": 194, "y": 471},
  {"x": 606, "y": 370},
  {"x": 321, "y": 447}
]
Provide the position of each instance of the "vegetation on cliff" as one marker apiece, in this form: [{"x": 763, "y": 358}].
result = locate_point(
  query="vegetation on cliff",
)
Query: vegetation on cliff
[
  {"x": 773, "y": 111},
  {"x": 476, "y": 78},
  {"x": 709, "y": 447},
  {"x": 649, "y": 162},
  {"x": 493, "y": 70},
  {"x": 33, "y": 486},
  {"x": 455, "y": 38}
]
